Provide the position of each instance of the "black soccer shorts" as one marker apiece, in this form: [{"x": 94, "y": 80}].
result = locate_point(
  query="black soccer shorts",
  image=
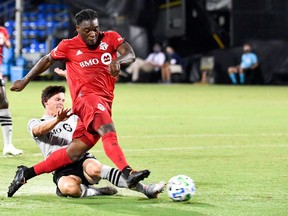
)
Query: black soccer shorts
[{"x": 75, "y": 168}]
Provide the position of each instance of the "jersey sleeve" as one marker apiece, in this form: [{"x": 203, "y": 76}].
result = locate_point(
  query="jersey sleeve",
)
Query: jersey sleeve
[
  {"x": 31, "y": 124},
  {"x": 116, "y": 39},
  {"x": 255, "y": 59},
  {"x": 60, "y": 52}
]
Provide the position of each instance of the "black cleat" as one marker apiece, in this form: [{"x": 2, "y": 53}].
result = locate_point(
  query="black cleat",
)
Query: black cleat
[
  {"x": 18, "y": 180},
  {"x": 136, "y": 176}
]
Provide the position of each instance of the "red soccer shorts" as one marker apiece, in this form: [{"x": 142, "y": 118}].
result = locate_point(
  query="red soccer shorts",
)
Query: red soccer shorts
[{"x": 91, "y": 108}]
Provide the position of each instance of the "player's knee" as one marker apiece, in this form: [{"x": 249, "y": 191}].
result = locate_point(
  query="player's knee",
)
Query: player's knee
[
  {"x": 92, "y": 171},
  {"x": 104, "y": 129},
  {"x": 231, "y": 70},
  {"x": 69, "y": 187}
]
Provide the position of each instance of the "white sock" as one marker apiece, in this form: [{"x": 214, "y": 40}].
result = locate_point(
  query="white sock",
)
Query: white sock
[
  {"x": 88, "y": 191},
  {"x": 6, "y": 125},
  {"x": 114, "y": 176}
]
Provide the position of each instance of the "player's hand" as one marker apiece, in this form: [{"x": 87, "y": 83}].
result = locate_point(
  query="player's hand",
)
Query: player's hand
[
  {"x": 18, "y": 86},
  {"x": 64, "y": 114},
  {"x": 114, "y": 69},
  {"x": 60, "y": 72}
]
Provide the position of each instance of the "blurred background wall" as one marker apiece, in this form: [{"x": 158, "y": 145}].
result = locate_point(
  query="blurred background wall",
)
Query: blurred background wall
[{"x": 195, "y": 28}]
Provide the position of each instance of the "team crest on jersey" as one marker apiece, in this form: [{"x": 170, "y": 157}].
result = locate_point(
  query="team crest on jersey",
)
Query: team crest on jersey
[
  {"x": 100, "y": 107},
  {"x": 103, "y": 46},
  {"x": 106, "y": 58}
]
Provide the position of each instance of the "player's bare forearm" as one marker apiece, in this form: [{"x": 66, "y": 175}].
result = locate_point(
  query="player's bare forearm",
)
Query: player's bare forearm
[
  {"x": 127, "y": 55},
  {"x": 43, "y": 64},
  {"x": 47, "y": 126}
]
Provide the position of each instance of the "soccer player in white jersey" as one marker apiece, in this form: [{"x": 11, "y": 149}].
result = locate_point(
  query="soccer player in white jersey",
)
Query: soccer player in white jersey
[{"x": 53, "y": 131}]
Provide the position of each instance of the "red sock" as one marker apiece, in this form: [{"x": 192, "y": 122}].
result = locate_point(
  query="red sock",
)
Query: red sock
[
  {"x": 113, "y": 150},
  {"x": 54, "y": 161}
]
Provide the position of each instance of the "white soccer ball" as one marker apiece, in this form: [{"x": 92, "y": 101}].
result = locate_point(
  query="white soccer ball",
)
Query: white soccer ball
[{"x": 181, "y": 188}]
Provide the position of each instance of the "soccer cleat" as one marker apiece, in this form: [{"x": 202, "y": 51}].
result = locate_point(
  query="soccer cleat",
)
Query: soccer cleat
[
  {"x": 152, "y": 190},
  {"x": 136, "y": 176},
  {"x": 18, "y": 180},
  {"x": 106, "y": 190},
  {"x": 11, "y": 151}
]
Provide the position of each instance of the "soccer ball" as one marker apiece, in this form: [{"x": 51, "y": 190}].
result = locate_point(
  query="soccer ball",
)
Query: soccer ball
[{"x": 181, "y": 188}]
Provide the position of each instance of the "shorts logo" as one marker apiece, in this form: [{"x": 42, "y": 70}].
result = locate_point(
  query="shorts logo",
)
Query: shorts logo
[
  {"x": 106, "y": 58},
  {"x": 100, "y": 107}
]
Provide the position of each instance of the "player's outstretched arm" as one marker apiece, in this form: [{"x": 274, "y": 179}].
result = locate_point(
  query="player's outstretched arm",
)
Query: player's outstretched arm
[{"x": 43, "y": 64}]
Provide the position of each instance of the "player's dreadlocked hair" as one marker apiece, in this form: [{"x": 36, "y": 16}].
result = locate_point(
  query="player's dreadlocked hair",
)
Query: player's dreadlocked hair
[
  {"x": 50, "y": 91},
  {"x": 86, "y": 14}
]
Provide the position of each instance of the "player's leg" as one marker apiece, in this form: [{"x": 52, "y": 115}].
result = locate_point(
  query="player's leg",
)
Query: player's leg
[
  {"x": 164, "y": 72},
  {"x": 241, "y": 76},
  {"x": 168, "y": 73},
  {"x": 113, "y": 150},
  {"x": 116, "y": 177},
  {"x": 232, "y": 74},
  {"x": 95, "y": 112},
  {"x": 94, "y": 171},
  {"x": 53, "y": 162},
  {"x": 69, "y": 186},
  {"x": 6, "y": 123},
  {"x": 134, "y": 69},
  {"x": 81, "y": 184}
]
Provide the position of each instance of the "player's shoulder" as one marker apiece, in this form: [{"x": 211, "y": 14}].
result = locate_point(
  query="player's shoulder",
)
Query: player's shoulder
[
  {"x": 111, "y": 34},
  {"x": 33, "y": 122},
  {"x": 69, "y": 40}
]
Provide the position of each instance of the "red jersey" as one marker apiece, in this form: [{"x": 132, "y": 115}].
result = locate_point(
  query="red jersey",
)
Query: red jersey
[
  {"x": 88, "y": 70},
  {"x": 3, "y": 36}
]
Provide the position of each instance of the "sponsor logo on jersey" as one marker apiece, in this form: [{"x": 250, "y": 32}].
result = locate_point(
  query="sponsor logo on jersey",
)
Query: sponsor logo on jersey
[
  {"x": 89, "y": 62},
  {"x": 103, "y": 46},
  {"x": 65, "y": 126},
  {"x": 100, "y": 107},
  {"x": 106, "y": 58},
  {"x": 79, "y": 52}
]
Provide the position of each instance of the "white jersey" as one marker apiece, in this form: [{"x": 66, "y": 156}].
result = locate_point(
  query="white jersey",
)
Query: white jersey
[{"x": 60, "y": 136}]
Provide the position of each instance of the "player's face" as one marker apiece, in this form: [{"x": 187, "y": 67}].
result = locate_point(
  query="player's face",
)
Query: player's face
[
  {"x": 56, "y": 103},
  {"x": 89, "y": 31},
  {"x": 246, "y": 49}
]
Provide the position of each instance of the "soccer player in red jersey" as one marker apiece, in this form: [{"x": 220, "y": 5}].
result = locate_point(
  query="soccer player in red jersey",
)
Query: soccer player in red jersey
[{"x": 92, "y": 66}]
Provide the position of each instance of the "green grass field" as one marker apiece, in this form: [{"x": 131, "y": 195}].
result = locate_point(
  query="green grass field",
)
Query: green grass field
[{"x": 232, "y": 140}]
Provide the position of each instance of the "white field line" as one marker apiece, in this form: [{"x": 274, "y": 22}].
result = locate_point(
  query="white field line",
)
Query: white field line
[
  {"x": 187, "y": 148},
  {"x": 185, "y": 136},
  {"x": 188, "y": 136}
]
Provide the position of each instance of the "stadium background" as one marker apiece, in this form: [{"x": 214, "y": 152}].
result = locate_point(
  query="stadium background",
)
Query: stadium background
[{"x": 196, "y": 29}]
